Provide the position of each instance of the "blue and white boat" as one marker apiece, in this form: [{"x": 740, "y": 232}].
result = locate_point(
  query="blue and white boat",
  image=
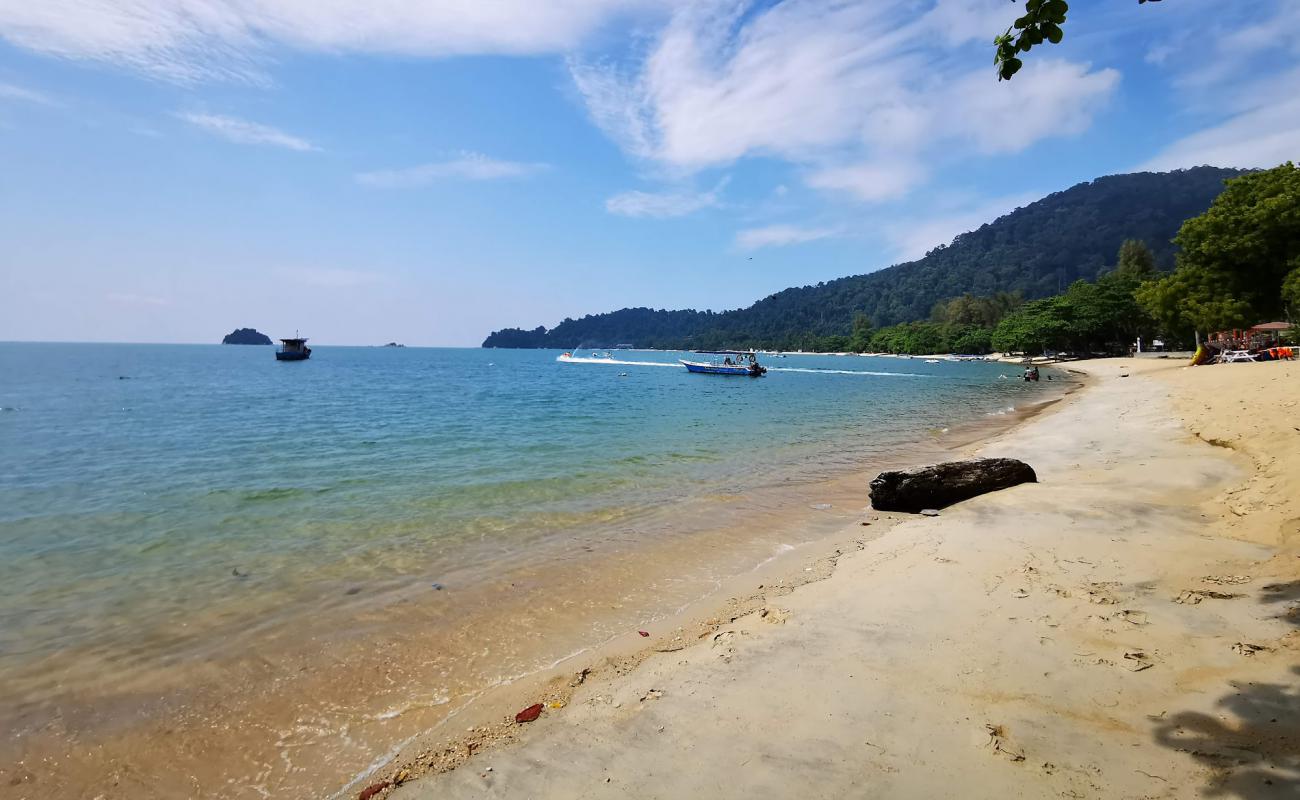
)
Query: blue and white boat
[{"x": 727, "y": 362}]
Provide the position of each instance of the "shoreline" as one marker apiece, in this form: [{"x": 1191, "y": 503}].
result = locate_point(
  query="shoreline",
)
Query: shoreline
[
  {"x": 598, "y": 738},
  {"x": 151, "y": 738},
  {"x": 489, "y": 726}
]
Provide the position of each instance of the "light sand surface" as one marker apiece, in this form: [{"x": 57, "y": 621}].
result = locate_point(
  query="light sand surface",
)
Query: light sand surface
[{"x": 1058, "y": 639}]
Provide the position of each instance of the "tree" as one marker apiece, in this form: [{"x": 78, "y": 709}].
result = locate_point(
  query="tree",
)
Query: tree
[
  {"x": 860, "y": 340},
  {"x": 1234, "y": 258},
  {"x": 1041, "y": 22},
  {"x": 1035, "y": 326},
  {"x": 1291, "y": 294},
  {"x": 1135, "y": 260}
]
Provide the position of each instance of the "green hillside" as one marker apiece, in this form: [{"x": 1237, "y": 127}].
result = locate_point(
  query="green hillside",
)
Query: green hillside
[{"x": 1036, "y": 251}]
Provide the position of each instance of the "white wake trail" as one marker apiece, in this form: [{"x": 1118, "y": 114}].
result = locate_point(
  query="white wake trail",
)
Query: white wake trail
[
  {"x": 811, "y": 370},
  {"x": 582, "y": 360}
]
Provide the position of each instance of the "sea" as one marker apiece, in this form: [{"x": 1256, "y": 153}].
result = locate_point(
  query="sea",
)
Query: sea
[{"x": 227, "y": 576}]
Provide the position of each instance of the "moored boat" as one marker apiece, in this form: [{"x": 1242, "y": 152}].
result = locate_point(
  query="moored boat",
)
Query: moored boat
[
  {"x": 727, "y": 362},
  {"x": 293, "y": 350}
]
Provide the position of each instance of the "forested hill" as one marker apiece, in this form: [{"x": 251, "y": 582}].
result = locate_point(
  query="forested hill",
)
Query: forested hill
[{"x": 1037, "y": 250}]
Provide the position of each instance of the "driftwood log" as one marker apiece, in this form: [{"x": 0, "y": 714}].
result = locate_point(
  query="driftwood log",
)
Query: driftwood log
[{"x": 944, "y": 484}]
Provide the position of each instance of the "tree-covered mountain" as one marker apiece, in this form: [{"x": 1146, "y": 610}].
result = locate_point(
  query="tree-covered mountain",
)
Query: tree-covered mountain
[{"x": 1037, "y": 251}]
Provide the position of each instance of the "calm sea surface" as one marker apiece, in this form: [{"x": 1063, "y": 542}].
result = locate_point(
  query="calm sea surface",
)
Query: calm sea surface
[{"x": 157, "y": 500}]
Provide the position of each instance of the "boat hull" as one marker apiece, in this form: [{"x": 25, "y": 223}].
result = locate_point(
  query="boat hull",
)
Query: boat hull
[
  {"x": 723, "y": 369},
  {"x": 293, "y": 356}
]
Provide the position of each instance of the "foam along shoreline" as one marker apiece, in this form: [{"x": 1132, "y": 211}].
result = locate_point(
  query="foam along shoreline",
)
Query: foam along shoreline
[{"x": 1126, "y": 627}]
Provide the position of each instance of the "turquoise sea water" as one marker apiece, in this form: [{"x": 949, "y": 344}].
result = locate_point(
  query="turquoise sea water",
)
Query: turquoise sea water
[{"x": 140, "y": 483}]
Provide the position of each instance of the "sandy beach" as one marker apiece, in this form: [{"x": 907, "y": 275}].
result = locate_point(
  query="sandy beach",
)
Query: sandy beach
[{"x": 1126, "y": 627}]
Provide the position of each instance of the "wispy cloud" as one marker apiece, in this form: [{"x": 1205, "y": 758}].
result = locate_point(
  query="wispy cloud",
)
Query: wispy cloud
[
  {"x": 467, "y": 166},
  {"x": 869, "y": 181},
  {"x": 242, "y": 131},
  {"x": 663, "y": 205},
  {"x": 194, "y": 40},
  {"x": 9, "y": 91},
  {"x": 1244, "y": 79},
  {"x": 868, "y": 93},
  {"x": 781, "y": 236}
]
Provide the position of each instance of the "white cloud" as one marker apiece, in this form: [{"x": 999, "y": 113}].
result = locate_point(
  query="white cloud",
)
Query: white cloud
[
  {"x": 862, "y": 92},
  {"x": 1262, "y": 137},
  {"x": 466, "y": 166},
  {"x": 780, "y": 236},
  {"x": 869, "y": 181},
  {"x": 1243, "y": 80},
  {"x": 9, "y": 91},
  {"x": 662, "y": 205},
  {"x": 191, "y": 40},
  {"x": 244, "y": 132}
]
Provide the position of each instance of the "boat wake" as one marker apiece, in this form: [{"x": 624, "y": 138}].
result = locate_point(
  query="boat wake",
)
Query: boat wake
[
  {"x": 816, "y": 371},
  {"x": 678, "y": 365},
  {"x": 588, "y": 360}
]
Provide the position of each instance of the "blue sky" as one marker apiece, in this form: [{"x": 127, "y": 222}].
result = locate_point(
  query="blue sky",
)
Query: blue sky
[{"x": 428, "y": 171}]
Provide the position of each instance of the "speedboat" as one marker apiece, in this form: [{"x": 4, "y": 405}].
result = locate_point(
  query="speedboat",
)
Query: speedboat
[{"x": 727, "y": 362}]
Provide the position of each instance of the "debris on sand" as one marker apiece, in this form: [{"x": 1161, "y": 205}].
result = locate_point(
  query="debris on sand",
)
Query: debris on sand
[
  {"x": 1192, "y": 597},
  {"x": 529, "y": 714},
  {"x": 998, "y": 741},
  {"x": 644, "y": 633},
  {"x": 940, "y": 485},
  {"x": 373, "y": 789},
  {"x": 774, "y": 615},
  {"x": 1227, "y": 580},
  {"x": 1133, "y": 617},
  {"x": 1136, "y": 661},
  {"x": 1248, "y": 649}
]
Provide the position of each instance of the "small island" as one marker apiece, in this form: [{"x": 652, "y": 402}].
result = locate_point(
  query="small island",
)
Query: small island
[
  {"x": 394, "y": 344},
  {"x": 246, "y": 336}
]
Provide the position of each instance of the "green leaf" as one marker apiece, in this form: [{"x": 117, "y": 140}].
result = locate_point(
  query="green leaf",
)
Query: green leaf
[
  {"x": 1054, "y": 33},
  {"x": 1009, "y": 67}
]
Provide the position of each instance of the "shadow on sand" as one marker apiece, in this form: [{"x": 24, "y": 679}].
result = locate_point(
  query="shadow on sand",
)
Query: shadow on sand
[{"x": 1252, "y": 747}]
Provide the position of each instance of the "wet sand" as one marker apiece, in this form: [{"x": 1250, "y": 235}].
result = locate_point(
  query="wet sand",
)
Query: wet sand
[{"x": 1127, "y": 627}]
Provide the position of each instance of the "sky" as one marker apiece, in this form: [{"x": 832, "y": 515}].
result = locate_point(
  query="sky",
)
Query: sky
[{"x": 426, "y": 171}]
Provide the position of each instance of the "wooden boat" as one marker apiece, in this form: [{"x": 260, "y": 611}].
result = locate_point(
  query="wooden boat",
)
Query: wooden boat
[
  {"x": 293, "y": 350},
  {"x": 727, "y": 362}
]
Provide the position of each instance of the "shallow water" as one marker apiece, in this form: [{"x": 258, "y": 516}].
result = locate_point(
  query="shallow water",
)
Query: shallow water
[{"x": 179, "y": 518}]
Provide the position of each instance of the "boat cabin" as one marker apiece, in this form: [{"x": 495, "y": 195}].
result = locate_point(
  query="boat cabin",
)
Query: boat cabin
[{"x": 293, "y": 350}]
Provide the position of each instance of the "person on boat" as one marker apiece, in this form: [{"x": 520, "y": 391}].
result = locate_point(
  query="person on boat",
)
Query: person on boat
[{"x": 727, "y": 361}]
